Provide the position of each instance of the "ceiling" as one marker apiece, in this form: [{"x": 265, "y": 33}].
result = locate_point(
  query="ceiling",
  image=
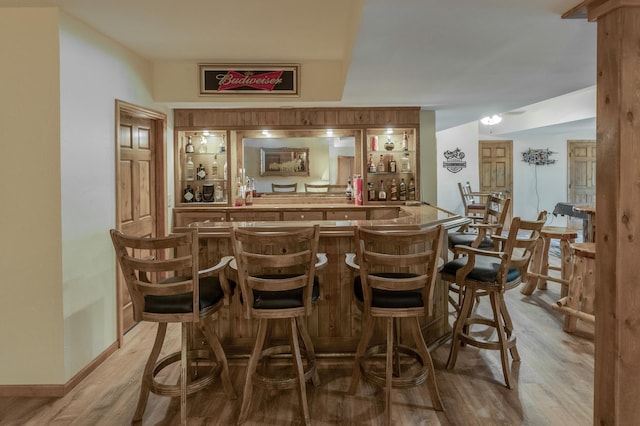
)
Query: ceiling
[{"x": 463, "y": 58}]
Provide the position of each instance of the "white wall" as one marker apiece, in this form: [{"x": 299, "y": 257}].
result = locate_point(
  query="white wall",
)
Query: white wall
[
  {"x": 95, "y": 71},
  {"x": 466, "y": 138},
  {"x": 535, "y": 188},
  {"x": 539, "y": 188}
]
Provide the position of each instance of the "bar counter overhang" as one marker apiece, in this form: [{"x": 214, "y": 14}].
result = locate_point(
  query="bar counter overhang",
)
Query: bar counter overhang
[{"x": 335, "y": 323}]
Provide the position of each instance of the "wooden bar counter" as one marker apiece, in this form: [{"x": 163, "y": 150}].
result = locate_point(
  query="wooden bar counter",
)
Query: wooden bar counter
[{"x": 336, "y": 321}]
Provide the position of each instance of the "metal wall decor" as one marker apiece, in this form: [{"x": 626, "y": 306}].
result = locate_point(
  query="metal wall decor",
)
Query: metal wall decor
[
  {"x": 454, "y": 160},
  {"x": 538, "y": 157}
]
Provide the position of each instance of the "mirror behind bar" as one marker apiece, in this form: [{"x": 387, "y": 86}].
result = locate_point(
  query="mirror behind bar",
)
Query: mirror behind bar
[{"x": 331, "y": 160}]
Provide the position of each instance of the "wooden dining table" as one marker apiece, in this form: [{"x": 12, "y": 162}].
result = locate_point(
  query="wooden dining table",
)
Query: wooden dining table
[{"x": 589, "y": 225}]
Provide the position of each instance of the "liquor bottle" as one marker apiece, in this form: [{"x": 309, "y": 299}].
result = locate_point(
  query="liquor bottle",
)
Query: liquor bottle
[
  {"x": 218, "y": 193},
  {"x": 405, "y": 142},
  {"x": 374, "y": 143},
  {"x": 198, "y": 196},
  {"x": 190, "y": 169},
  {"x": 224, "y": 170},
  {"x": 253, "y": 187},
  {"x": 392, "y": 165},
  {"x": 349, "y": 192},
  {"x": 394, "y": 190},
  {"x": 189, "y": 148},
  {"x": 382, "y": 195},
  {"x": 248, "y": 193},
  {"x": 412, "y": 190},
  {"x": 207, "y": 193},
  {"x": 214, "y": 167},
  {"x": 403, "y": 190},
  {"x": 371, "y": 196},
  {"x": 202, "y": 149},
  {"x": 405, "y": 163},
  {"x": 372, "y": 164},
  {"x": 381, "y": 167},
  {"x": 239, "y": 194},
  {"x": 201, "y": 173},
  {"x": 188, "y": 194}
]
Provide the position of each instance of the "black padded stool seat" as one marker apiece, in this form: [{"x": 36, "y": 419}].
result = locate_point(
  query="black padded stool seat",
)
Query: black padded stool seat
[
  {"x": 211, "y": 293},
  {"x": 283, "y": 299},
  {"x": 390, "y": 299},
  {"x": 485, "y": 269},
  {"x": 467, "y": 238}
]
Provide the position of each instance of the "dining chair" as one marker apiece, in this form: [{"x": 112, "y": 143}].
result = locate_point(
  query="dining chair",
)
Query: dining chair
[
  {"x": 474, "y": 203},
  {"x": 166, "y": 286},
  {"x": 395, "y": 278},
  {"x": 479, "y": 235},
  {"x": 310, "y": 187},
  {"x": 480, "y": 272},
  {"x": 276, "y": 269},
  {"x": 284, "y": 187}
]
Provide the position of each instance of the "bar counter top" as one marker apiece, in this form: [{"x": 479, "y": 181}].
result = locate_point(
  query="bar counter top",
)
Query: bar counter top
[
  {"x": 422, "y": 215},
  {"x": 335, "y": 323}
]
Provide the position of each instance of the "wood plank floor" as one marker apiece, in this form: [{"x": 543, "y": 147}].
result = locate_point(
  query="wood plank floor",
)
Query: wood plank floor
[{"x": 554, "y": 386}]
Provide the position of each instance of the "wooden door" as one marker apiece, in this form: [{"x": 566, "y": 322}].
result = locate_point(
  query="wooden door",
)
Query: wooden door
[
  {"x": 496, "y": 170},
  {"x": 345, "y": 169},
  {"x": 582, "y": 171},
  {"x": 139, "y": 177}
]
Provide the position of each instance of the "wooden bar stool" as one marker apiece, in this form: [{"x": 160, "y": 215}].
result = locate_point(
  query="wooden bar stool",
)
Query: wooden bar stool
[
  {"x": 276, "y": 271},
  {"x": 538, "y": 273},
  {"x": 485, "y": 272},
  {"x": 167, "y": 286},
  {"x": 396, "y": 278},
  {"x": 579, "y": 301}
]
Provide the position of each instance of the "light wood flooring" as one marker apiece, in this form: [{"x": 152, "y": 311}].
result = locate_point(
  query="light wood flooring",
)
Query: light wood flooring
[{"x": 554, "y": 386}]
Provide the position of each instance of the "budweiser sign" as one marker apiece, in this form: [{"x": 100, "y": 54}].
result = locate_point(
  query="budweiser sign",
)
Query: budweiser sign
[{"x": 248, "y": 79}]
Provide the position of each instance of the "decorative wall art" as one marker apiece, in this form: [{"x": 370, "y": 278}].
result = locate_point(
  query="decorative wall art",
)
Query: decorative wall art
[
  {"x": 284, "y": 161},
  {"x": 538, "y": 157},
  {"x": 454, "y": 160}
]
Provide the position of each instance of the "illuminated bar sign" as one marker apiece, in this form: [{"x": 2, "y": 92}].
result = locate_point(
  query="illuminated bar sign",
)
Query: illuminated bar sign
[{"x": 274, "y": 79}]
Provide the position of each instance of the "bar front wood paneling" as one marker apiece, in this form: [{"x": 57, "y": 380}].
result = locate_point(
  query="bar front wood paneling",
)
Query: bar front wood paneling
[{"x": 336, "y": 321}]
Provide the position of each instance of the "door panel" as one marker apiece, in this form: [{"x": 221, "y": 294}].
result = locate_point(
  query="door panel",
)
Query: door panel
[
  {"x": 582, "y": 171},
  {"x": 145, "y": 204},
  {"x": 496, "y": 163},
  {"x": 124, "y": 181},
  {"x": 345, "y": 169},
  {"x": 136, "y": 180}
]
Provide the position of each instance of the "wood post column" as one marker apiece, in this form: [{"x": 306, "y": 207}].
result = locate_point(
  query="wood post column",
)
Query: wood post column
[{"x": 617, "y": 310}]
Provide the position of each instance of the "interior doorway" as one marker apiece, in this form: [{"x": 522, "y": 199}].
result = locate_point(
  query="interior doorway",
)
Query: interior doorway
[
  {"x": 345, "y": 169},
  {"x": 140, "y": 186},
  {"x": 496, "y": 170},
  {"x": 582, "y": 171}
]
